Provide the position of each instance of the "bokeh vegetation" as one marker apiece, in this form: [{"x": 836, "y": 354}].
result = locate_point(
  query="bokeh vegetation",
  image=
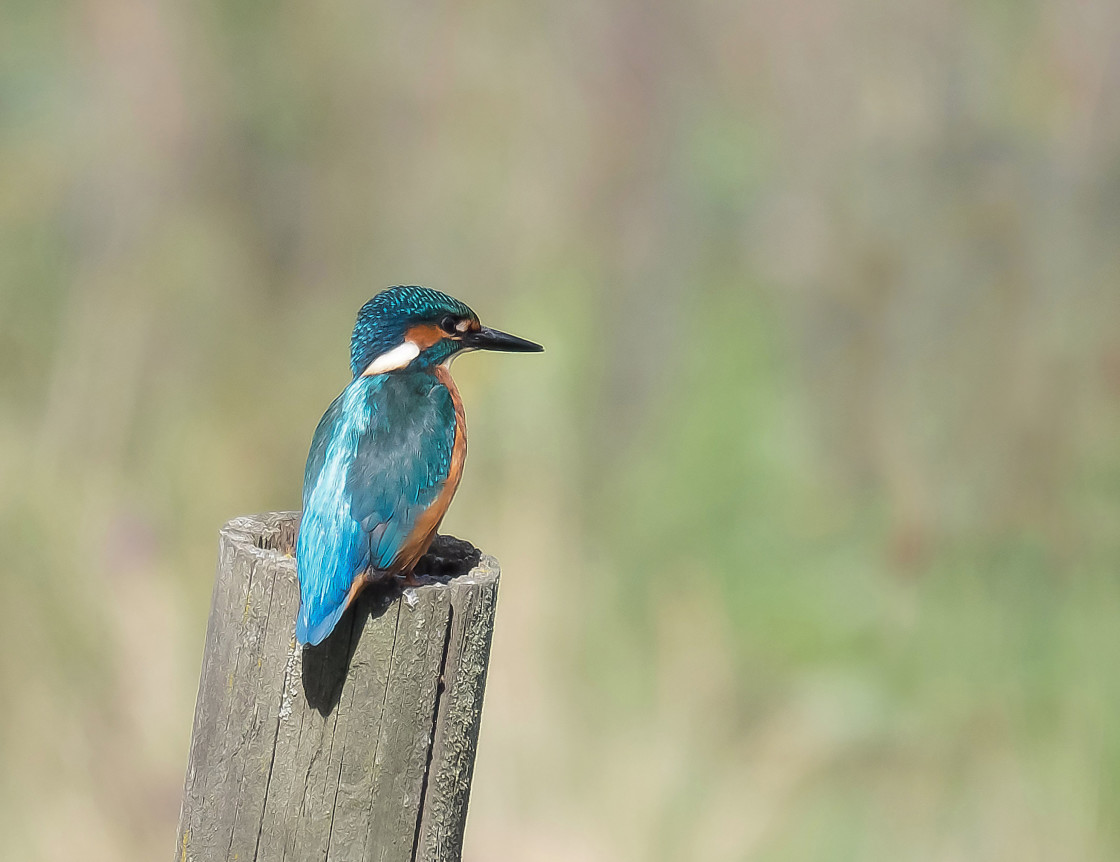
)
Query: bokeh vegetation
[{"x": 809, "y": 516}]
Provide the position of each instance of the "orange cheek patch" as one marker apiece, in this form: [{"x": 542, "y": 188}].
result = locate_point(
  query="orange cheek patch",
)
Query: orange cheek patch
[{"x": 425, "y": 335}]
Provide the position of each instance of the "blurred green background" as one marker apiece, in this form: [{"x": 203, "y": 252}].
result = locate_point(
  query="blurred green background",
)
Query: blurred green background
[{"x": 810, "y": 515}]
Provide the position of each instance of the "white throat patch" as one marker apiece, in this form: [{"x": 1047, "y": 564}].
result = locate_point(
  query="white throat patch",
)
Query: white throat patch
[{"x": 393, "y": 360}]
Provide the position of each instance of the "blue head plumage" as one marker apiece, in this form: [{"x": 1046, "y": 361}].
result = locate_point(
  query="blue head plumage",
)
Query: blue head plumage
[
  {"x": 384, "y": 321},
  {"x": 387, "y": 455}
]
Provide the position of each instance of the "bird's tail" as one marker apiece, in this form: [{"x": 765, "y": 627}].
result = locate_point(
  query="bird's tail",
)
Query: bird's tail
[
  {"x": 313, "y": 633},
  {"x": 331, "y": 547}
]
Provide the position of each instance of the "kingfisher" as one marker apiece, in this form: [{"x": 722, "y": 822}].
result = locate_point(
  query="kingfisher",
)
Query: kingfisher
[{"x": 388, "y": 454}]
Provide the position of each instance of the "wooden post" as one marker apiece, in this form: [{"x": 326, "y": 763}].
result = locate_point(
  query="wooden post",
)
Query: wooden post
[{"x": 359, "y": 749}]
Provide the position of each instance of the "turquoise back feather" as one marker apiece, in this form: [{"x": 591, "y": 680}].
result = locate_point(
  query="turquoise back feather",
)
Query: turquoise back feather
[{"x": 379, "y": 458}]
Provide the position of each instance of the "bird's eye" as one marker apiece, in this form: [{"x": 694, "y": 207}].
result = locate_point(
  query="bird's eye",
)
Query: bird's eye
[{"x": 448, "y": 324}]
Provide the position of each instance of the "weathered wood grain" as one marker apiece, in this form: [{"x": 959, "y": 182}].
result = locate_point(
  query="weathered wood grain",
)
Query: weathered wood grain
[{"x": 359, "y": 749}]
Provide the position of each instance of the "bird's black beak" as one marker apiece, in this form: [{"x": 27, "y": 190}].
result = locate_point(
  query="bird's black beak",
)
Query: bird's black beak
[{"x": 492, "y": 339}]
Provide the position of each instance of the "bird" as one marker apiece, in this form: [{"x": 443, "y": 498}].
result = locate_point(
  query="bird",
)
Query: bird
[{"x": 387, "y": 456}]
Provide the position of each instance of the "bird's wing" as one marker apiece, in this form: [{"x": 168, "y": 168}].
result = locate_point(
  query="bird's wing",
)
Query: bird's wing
[
  {"x": 402, "y": 463},
  {"x": 379, "y": 458}
]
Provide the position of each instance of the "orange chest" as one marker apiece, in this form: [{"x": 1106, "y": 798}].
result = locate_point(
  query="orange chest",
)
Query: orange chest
[{"x": 459, "y": 447}]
